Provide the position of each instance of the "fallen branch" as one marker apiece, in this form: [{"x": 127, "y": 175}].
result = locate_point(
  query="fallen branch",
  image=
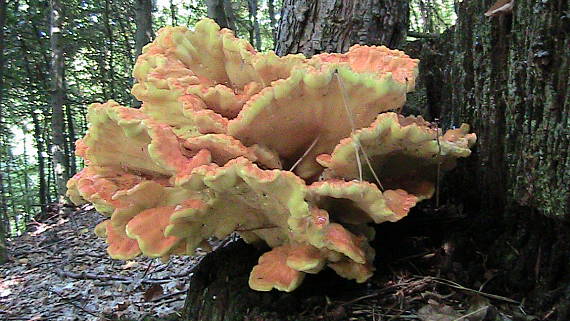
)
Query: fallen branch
[
  {"x": 104, "y": 277},
  {"x": 168, "y": 296},
  {"x": 415, "y": 34}
]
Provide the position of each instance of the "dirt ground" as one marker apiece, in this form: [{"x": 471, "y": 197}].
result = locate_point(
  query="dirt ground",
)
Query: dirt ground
[{"x": 59, "y": 270}]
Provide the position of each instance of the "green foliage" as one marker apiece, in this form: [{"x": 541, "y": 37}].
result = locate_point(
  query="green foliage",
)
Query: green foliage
[{"x": 432, "y": 16}]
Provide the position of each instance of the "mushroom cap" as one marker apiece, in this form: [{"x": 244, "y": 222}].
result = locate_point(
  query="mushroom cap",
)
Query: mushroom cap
[{"x": 405, "y": 153}]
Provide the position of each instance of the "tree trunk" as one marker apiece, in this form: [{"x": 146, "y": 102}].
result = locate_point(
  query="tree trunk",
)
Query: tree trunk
[
  {"x": 144, "y": 33},
  {"x": 43, "y": 191},
  {"x": 59, "y": 157},
  {"x": 216, "y": 11},
  {"x": 311, "y": 27},
  {"x": 271, "y": 12},
  {"x": 229, "y": 10},
  {"x": 509, "y": 77},
  {"x": 70, "y": 133},
  {"x": 110, "y": 74},
  {"x": 3, "y": 207},
  {"x": 252, "y": 7},
  {"x": 173, "y": 13},
  {"x": 26, "y": 182}
]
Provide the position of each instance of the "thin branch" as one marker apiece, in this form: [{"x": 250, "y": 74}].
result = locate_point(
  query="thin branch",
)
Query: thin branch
[{"x": 415, "y": 34}]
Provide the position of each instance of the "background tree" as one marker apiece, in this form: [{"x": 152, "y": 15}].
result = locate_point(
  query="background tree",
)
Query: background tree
[
  {"x": 3, "y": 208},
  {"x": 311, "y": 27},
  {"x": 59, "y": 148},
  {"x": 217, "y": 11},
  {"x": 144, "y": 31}
]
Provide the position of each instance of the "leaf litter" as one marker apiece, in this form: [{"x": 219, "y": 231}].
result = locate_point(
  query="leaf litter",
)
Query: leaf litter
[{"x": 59, "y": 270}]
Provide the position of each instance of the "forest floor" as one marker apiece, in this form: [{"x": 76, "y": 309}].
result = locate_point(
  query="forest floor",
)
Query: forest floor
[{"x": 59, "y": 270}]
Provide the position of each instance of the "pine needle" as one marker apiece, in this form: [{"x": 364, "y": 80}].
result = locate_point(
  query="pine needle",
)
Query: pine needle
[
  {"x": 305, "y": 154},
  {"x": 356, "y": 142}
]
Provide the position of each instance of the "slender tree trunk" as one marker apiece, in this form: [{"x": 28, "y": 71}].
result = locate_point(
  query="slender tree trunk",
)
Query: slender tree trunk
[
  {"x": 509, "y": 77},
  {"x": 216, "y": 11},
  {"x": 144, "y": 33},
  {"x": 60, "y": 161},
  {"x": 271, "y": 12},
  {"x": 25, "y": 177},
  {"x": 43, "y": 191},
  {"x": 173, "y": 13},
  {"x": 10, "y": 189},
  {"x": 70, "y": 140},
  {"x": 3, "y": 207},
  {"x": 229, "y": 10},
  {"x": 110, "y": 75},
  {"x": 250, "y": 28},
  {"x": 143, "y": 18},
  {"x": 311, "y": 27},
  {"x": 252, "y": 7}
]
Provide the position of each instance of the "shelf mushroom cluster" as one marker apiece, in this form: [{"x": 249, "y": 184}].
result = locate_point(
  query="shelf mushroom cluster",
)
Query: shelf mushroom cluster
[{"x": 299, "y": 154}]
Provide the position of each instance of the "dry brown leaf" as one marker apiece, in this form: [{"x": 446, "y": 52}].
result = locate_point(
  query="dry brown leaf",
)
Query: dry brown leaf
[{"x": 153, "y": 292}]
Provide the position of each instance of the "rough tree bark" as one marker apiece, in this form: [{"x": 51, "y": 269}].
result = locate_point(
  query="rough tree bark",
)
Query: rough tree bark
[
  {"x": 509, "y": 77},
  {"x": 59, "y": 158},
  {"x": 311, "y": 27}
]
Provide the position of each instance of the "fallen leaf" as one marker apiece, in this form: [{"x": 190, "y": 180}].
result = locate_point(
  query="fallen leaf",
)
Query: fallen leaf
[
  {"x": 153, "y": 292},
  {"x": 130, "y": 264}
]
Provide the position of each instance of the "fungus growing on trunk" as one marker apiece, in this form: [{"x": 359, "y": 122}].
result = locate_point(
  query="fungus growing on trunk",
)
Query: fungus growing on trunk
[{"x": 298, "y": 154}]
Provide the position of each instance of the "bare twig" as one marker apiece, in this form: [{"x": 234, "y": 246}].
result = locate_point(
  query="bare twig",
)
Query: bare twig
[
  {"x": 168, "y": 296},
  {"x": 104, "y": 277}
]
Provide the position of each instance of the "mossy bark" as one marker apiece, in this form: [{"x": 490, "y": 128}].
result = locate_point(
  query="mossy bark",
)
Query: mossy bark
[{"x": 508, "y": 77}]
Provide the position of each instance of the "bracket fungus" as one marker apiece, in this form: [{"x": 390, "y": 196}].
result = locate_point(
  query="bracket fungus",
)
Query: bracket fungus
[{"x": 300, "y": 155}]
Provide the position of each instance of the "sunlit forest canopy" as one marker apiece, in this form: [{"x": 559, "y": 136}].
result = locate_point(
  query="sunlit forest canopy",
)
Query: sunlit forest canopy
[{"x": 98, "y": 41}]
